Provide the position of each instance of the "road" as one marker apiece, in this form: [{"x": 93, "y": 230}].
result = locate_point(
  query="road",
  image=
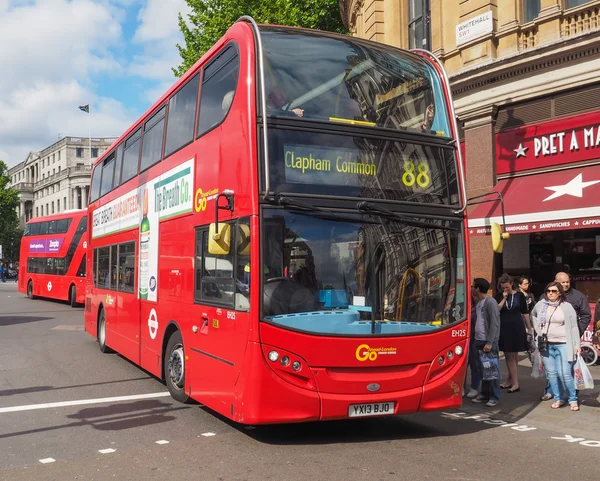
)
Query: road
[{"x": 114, "y": 421}]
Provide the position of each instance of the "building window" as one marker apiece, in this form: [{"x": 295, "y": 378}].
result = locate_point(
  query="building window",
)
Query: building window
[
  {"x": 37, "y": 212},
  {"x": 59, "y": 168},
  {"x": 53, "y": 159},
  {"x": 532, "y": 10},
  {"x": 59, "y": 155},
  {"x": 94, "y": 152},
  {"x": 53, "y": 171},
  {"x": 64, "y": 203},
  {"x": 419, "y": 35},
  {"x": 78, "y": 152},
  {"x": 58, "y": 206},
  {"x": 576, "y": 3}
]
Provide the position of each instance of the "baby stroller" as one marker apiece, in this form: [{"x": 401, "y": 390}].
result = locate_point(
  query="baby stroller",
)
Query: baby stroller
[{"x": 589, "y": 350}]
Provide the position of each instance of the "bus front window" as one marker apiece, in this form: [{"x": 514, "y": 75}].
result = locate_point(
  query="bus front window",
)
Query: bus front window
[
  {"x": 344, "y": 80},
  {"x": 360, "y": 277}
]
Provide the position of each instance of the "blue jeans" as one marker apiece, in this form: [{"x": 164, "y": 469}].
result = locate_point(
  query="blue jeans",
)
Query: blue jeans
[
  {"x": 489, "y": 389},
  {"x": 559, "y": 371}
]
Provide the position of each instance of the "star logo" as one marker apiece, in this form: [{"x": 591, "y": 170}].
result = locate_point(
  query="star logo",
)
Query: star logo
[
  {"x": 574, "y": 187},
  {"x": 521, "y": 151}
]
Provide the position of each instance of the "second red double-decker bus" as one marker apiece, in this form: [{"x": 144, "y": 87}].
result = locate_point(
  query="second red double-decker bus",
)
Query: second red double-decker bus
[
  {"x": 282, "y": 236},
  {"x": 52, "y": 260}
]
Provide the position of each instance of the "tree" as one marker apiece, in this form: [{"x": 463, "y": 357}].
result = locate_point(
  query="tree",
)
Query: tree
[
  {"x": 210, "y": 19},
  {"x": 10, "y": 231}
]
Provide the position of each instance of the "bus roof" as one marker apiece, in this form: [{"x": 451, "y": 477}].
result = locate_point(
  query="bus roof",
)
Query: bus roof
[{"x": 63, "y": 215}]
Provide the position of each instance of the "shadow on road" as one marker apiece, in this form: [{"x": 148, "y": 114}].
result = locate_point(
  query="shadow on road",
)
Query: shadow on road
[
  {"x": 13, "y": 319},
  {"x": 32, "y": 389},
  {"x": 116, "y": 417}
]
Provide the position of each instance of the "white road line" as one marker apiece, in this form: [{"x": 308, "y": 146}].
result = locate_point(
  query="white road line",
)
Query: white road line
[
  {"x": 162, "y": 441},
  {"x": 208, "y": 434},
  {"x": 47, "y": 460},
  {"x": 80, "y": 402},
  {"x": 106, "y": 451}
]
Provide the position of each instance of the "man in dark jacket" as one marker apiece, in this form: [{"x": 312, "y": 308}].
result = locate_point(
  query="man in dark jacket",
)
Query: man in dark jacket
[
  {"x": 578, "y": 300},
  {"x": 487, "y": 333}
]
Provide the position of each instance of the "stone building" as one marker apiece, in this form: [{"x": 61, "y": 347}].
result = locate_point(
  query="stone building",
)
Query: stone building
[
  {"x": 57, "y": 178},
  {"x": 525, "y": 77}
]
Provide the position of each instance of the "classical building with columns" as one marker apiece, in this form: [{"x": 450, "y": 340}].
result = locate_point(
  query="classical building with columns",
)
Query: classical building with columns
[
  {"x": 525, "y": 77},
  {"x": 57, "y": 178}
]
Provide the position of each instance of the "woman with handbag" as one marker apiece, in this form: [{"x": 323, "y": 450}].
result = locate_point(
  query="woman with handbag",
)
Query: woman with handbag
[{"x": 555, "y": 324}]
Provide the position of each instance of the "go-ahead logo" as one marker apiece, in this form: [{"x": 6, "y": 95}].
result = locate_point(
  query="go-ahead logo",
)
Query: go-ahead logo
[{"x": 366, "y": 353}]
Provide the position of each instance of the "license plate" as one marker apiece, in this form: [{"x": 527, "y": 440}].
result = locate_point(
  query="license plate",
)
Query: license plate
[{"x": 371, "y": 409}]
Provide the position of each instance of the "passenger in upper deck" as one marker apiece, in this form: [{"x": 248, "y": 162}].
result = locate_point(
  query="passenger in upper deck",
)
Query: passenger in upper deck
[
  {"x": 429, "y": 116},
  {"x": 276, "y": 102}
]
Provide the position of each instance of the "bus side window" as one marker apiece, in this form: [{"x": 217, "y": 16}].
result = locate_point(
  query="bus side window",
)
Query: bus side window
[
  {"x": 218, "y": 89},
  {"x": 242, "y": 265}
]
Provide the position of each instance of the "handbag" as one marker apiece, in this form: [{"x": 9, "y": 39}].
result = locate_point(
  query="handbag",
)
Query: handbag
[
  {"x": 542, "y": 341},
  {"x": 583, "y": 376},
  {"x": 490, "y": 365}
]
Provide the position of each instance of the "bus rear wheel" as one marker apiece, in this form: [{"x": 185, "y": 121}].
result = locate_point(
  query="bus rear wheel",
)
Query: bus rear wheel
[
  {"x": 73, "y": 296},
  {"x": 174, "y": 366},
  {"x": 30, "y": 290},
  {"x": 102, "y": 333}
]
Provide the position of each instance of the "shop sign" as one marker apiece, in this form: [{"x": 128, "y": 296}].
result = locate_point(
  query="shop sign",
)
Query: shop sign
[
  {"x": 558, "y": 142},
  {"x": 525, "y": 228},
  {"x": 474, "y": 28}
]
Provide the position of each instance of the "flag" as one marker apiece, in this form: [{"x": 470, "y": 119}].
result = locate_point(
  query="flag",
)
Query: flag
[{"x": 85, "y": 108}]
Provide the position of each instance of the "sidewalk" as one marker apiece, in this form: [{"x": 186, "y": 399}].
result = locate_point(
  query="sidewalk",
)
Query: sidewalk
[{"x": 526, "y": 407}]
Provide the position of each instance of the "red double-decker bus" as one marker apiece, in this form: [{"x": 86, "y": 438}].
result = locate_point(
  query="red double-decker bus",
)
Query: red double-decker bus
[
  {"x": 282, "y": 235},
  {"x": 53, "y": 257}
]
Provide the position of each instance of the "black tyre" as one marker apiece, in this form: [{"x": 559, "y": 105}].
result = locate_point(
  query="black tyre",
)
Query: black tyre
[
  {"x": 174, "y": 365},
  {"x": 73, "y": 296},
  {"x": 102, "y": 333},
  {"x": 30, "y": 290}
]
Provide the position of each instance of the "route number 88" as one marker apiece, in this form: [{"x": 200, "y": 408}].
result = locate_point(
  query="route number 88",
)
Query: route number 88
[{"x": 421, "y": 177}]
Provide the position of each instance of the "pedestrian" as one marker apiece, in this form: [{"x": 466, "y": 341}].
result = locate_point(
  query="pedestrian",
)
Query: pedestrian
[
  {"x": 559, "y": 342},
  {"x": 580, "y": 303},
  {"x": 514, "y": 325},
  {"x": 2, "y": 272},
  {"x": 487, "y": 331},
  {"x": 524, "y": 284},
  {"x": 473, "y": 356}
]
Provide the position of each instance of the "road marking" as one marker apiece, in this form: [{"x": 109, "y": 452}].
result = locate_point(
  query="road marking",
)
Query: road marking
[
  {"x": 106, "y": 451},
  {"x": 162, "y": 441},
  {"x": 80, "y": 402},
  {"x": 208, "y": 434},
  {"x": 47, "y": 460}
]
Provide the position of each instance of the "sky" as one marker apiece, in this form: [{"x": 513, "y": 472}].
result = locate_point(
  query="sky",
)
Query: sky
[{"x": 55, "y": 55}]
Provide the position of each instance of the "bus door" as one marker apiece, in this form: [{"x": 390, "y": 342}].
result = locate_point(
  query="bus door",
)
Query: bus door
[{"x": 221, "y": 309}]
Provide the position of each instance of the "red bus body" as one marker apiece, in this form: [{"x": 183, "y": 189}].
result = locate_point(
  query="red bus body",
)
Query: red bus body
[
  {"x": 227, "y": 351},
  {"x": 52, "y": 259}
]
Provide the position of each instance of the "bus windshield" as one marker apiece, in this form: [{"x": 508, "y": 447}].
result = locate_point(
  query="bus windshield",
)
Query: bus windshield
[
  {"x": 368, "y": 276},
  {"x": 342, "y": 79}
]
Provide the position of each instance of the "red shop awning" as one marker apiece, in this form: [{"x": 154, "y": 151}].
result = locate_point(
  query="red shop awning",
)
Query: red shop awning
[{"x": 566, "y": 199}]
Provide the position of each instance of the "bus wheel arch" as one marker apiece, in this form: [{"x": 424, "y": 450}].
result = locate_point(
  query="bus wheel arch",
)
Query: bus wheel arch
[
  {"x": 101, "y": 330},
  {"x": 73, "y": 295},
  {"x": 174, "y": 364},
  {"x": 30, "y": 293}
]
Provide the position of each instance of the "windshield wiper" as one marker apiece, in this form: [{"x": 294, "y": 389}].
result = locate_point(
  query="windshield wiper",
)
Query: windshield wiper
[
  {"x": 314, "y": 211},
  {"x": 369, "y": 207}
]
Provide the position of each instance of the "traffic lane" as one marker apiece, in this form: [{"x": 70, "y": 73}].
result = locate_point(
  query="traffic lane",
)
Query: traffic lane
[
  {"x": 45, "y": 356},
  {"x": 426, "y": 446}
]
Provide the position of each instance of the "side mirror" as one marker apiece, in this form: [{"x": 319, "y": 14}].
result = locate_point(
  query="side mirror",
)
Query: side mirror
[
  {"x": 498, "y": 238},
  {"x": 219, "y": 243}
]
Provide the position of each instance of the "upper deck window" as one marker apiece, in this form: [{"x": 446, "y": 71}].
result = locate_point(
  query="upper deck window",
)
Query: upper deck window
[
  {"x": 218, "y": 89},
  {"x": 182, "y": 114},
  {"x": 152, "y": 143},
  {"x": 320, "y": 76}
]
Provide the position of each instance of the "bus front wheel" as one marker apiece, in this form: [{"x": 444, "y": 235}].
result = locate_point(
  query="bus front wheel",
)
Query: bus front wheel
[
  {"x": 174, "y": 364},
  {"x": 30, "y": 290},
  {"x": 102, "y": 333}
]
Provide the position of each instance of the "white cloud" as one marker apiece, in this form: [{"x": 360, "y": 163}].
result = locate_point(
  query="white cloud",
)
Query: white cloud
[{"x": 54, "y": 54}]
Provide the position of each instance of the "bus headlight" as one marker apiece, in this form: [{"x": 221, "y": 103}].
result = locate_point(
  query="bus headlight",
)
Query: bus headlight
[
  {"x": 458, "y": 350},
  {"x": 273, "y": 356},
  {"x": 285, "y": 361},
  {"x": 296, "y": 365}
]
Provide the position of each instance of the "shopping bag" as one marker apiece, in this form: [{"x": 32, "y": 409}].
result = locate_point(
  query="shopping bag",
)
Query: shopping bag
[
  {"x": 490, "y": 365},
  {"x": 583, "y": 377},
  {"x": 537, "y": 366}
]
